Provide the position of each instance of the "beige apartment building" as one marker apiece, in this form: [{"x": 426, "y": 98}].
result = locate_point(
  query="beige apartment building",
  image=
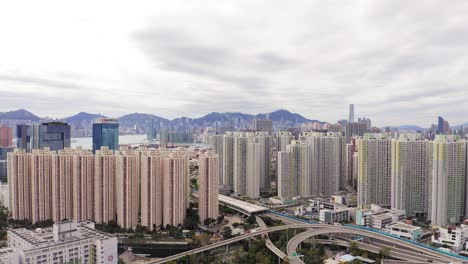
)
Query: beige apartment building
[{"x": 208, "y": 186}]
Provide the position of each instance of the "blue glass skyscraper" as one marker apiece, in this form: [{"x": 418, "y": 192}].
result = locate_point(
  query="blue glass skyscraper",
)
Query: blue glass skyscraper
[{"x": 105, "y": 133}]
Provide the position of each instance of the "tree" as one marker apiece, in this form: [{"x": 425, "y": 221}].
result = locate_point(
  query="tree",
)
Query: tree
[
  {"x": 209, "y": 221},
  {"x": 220, "y": 219},
  {"x": 251, "y": 220},
  {"x": 353, "y": 249},
  {"x": 227, "y": 232},
  {"x": 192, "y": 219}
]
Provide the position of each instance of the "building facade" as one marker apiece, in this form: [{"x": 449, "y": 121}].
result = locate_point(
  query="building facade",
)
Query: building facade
[
  {"x": 105, "y": 133},
  {"x": 208, "y": 186}
]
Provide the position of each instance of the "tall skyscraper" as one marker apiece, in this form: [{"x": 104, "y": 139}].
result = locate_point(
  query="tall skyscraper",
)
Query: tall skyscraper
[
  {"x": 327, "y": 170},
  {"x": 127, "y": 187},
  {"x": 164, "y": 187},
  {"x": 41, "y": 179},
  {"x": 292, "y": 170},
  {"x": 262, "y": 125},
  {"x": 351, "y": 113},
  {"x": 175, "y": 187},
  {"x": 442, "y": 126},
  {"x": 255, "y": 161},
  {"x": 374, "y": 170},
  {"x": 228, "y": 159},
  {"x": 5, "y": 136},
  {"x": 265, "y": 142},
  {"x": 411, "y": 174},
  {"x": 152, "y": 169},
  {"x": 105, "y": 133},
  {"x": 355, "y": 129},
  {"x": 62, "y": 185},
  {"x": 22, "y": 137},
  {"x": 52, "y": 135},
  {"x": 208, "y": 186},
  {"x": 283, "y": 138},
  {"x": 19, "y": 180},
  {"x": 83, "y": 185},
  {"x": 104, "y": 185},
  {"x": 447, "y": 200},
  {"x": 216, "y": 143},
  {"x": 240, "y": 164}
]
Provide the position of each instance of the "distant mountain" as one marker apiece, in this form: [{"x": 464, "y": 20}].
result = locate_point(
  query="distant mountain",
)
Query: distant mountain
[
  {"x": 140, "y": 120},
  {"x": 82, "y": 117},
  {"x": 216, "y": 117},
  {"x": 20, "y": 114},
  {"x": 408, "y": 128},
  {"x": 284, "y": 115}
]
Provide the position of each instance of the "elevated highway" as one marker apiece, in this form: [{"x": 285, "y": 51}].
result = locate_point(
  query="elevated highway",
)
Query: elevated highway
[{"x": 319, "y": 229}]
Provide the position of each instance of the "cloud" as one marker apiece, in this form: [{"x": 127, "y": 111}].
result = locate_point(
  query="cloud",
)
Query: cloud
[{"x": 399, "y": 62}]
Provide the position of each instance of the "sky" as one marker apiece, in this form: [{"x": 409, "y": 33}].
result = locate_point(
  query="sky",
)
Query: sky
[{"x": 399, "y": 62}]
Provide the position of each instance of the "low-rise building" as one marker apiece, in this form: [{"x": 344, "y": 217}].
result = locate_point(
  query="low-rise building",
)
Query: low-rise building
[
  {"x": 334, "y": 216},
  {"x": 456, "y": 237},
  {"x": 65, "y": 242},
  {"x": 405, "y": 231},
  {"x": 378, "y": 217}
]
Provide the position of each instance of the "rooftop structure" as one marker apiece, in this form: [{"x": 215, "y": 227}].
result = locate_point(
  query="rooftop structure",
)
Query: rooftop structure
[
  {"x": 64, "y": 242},
  {"x": 241, "y": 206}
]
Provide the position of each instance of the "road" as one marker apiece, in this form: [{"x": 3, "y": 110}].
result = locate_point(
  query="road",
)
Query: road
[
  {"x": 419, "y": 255},
  {"x": 268, "y": 242},
  {"x": 321, "y": 229}
]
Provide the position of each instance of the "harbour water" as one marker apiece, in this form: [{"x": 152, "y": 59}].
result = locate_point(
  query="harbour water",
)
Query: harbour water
[{"x": 87, "y": 142}]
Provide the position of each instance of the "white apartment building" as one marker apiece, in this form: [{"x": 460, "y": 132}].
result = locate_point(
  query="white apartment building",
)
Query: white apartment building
[
  {"x": 447, "y": 201},
  {"x": 411, "y": 174},
  {"x": 65, "y": 242},
  {"x": 374, "y": 170}
]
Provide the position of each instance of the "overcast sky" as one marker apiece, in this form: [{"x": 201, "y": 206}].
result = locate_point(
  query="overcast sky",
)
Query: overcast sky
[{"x": 399, "y": 62}]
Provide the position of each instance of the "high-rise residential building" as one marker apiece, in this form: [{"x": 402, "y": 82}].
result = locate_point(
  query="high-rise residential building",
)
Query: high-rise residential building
[
  {"x": 164, "y": 187},
  {"x": 104, "y": 185},
  {"x": 374, "y": 170},
  {"x": 255, "y": 161},
  {"x": 83, "y": 185},
  {"x": 240, "y": 164},
  {"x": 336, "y": 128},
  {"x": 208, "y": 186},
  {"x": 175, "y": 187},
  {"x": 262, "y": 125},
  {"x": 65, "y": 242},
  {"x": 355, "y": 129},
  {"x": 411, "y": 174},
  {"x": 41, "y": 179},
  {"x": 265, "y": 154},
  {"x": 127, "y": 177},
  {"x": 62, "y": 185},
  {"x": 351, "y": 113},
  {"x": 251, "y": 166},
  {"x": 216, "y": 143},
  {"x": 443, "y": 126},
  {"x": 447, "y": 201},
  {"x": 152, "y": 169},
  {"x": 292, "y": 170},
  {"x": 328, "y": 163},
  {"x": 351, "y": 169},
  {"x": 6, "y": 136},
  {"x": 228, "y": 159},
  {"x": 105, "y": 133},
  {"x": 283, "y": 138},
  {"x": 19, "y": 180}
]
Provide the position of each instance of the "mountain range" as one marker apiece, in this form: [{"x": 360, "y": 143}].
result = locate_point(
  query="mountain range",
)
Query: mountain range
[{"x": 276, "y": 116}]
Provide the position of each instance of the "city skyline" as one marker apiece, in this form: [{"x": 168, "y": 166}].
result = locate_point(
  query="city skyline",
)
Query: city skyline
[{"x": 168, "y": 59}]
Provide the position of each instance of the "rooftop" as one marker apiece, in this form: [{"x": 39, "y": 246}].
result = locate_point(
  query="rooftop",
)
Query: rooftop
[{"x": 246, "y": 206}]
